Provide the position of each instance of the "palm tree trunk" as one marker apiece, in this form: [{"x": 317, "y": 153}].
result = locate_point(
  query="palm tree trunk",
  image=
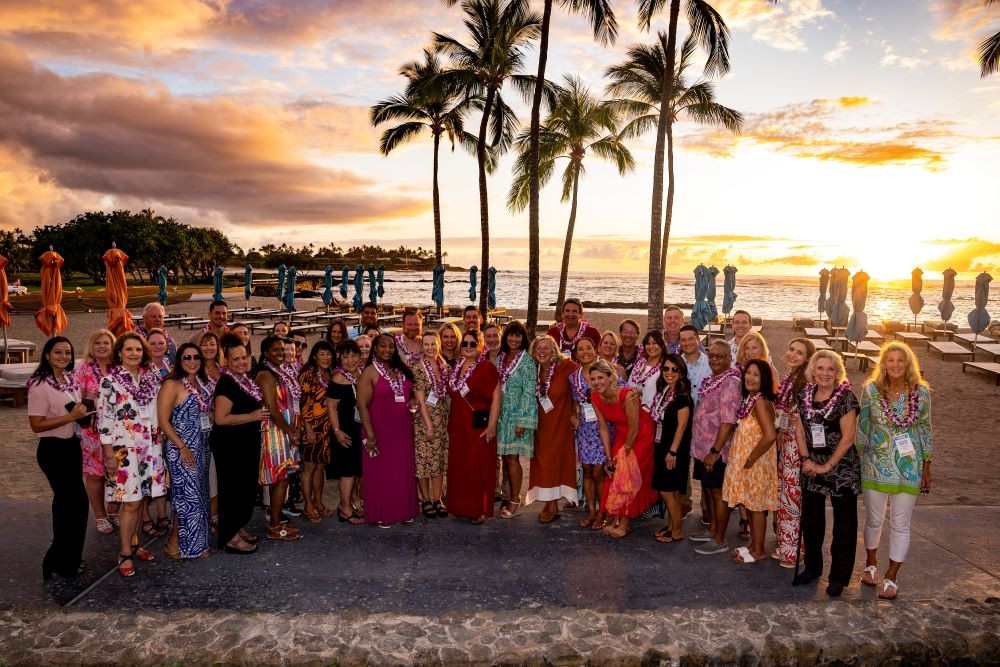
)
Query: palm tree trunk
[
  {"x": 436, "y": 196},
  {"x": 534, "y": 244},
  {"x": 484, "y": 206},
  {"x": 564, "y": 271},
  {"x": 654, "y": 307},
  {"x": 668, "y": 216}
]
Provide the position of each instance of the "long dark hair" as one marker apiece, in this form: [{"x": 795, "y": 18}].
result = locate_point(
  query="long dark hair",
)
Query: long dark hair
[
  {"x": 657, "y": 337},
  {"x": 683, "y": 387},
  {"x": 396, "y": 361},
  {"x": 337, "y": 324},
  {"x": 799, "y": 383},
  {"x": 767, "y": 388},
  {"x": 318, "y": 347},
  {"x": 514, "y": 326},
  {"x": 177, "y": 373},
  {"x": 44, "y": 368}
]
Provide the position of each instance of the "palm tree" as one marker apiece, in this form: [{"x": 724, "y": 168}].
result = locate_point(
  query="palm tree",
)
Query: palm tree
[
  {"x": 637, "y": 83},
  {"x": 989, "y": 51},
  {"x": 423, "y": 105},
  {"x": 709, "y": 30},
  {"x": 500, "y": 32},
  {"x": 578, "y": 123}
]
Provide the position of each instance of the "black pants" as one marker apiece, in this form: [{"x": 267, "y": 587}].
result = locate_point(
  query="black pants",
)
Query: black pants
[
  {"x": 62, "y": 463},
  {"x": 845, "y": 534},
  {"x": 237, "y": 466}
]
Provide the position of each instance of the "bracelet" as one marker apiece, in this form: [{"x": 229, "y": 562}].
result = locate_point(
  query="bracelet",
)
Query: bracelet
[
  {"x": 715, "y": 451},
  {"x": 671, "y": 453}
]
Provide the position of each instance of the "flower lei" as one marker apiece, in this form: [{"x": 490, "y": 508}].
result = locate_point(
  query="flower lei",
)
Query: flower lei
[
  {"x": 347, "y": 374},
  {"x": 810, "y": 391},
  {"x": 746, "y": 407},
  {"x": 246, "y": 384},
  {"x": 455, "y": 382},
  {"x": 548, "y": 380},
  {"x": 394, "y": 380},
  {"x": 70, "y": 386},
  {"x": 660, "y": 404},
  {"x": 568, "y": 344},
  {"x": 439, "y": 385},
  {"x": 204, "y": 404},
  {"x": 410, "y": 358},
  {"x": 581, "y": 390},
  {"x": 144, "y": 392},
  {"x": 640, "y": 374},
  {"x": 783, "y": 401},
  {"x": 713, "y": 384},
  {"x": 504, "y": 367},
  {"x": 912, "y": 410},
  {"x": 291, "y": 381}
]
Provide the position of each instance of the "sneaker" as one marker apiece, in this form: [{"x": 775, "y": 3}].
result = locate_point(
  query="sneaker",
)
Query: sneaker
[
  {"x": 702, "y": 536},
  {"x": 710, "y": 548},
  {"x": 290, "y": 510}
]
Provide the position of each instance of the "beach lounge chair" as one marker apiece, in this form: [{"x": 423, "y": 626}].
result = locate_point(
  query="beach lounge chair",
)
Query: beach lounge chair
[
  {"x": 948, "y": 349},
  {"x": 992, "y": 349},
  {"x": 990, "y": 368}
]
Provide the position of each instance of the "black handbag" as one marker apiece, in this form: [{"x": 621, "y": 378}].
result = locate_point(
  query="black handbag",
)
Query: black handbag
[{"x": 480, "y": 418}]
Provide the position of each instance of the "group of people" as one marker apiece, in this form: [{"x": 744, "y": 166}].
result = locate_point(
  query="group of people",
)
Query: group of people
[{"x": 436, "y": 423}]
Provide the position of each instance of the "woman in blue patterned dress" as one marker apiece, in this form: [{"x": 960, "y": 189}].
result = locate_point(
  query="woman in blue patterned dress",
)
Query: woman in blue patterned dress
[
  {"x": 894, "y": 439},
  {"x": 590, "y": 450},
  {"x": 184, "y": 410},
  {"x": 518, "y": 410}
]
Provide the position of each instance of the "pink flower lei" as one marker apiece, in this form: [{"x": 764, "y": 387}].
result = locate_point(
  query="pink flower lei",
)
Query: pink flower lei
[
  {"x": 548, "y": 379},
  {"x": 714, "y": 383},
  {"x": 291, "y": 382},
  {"x": 784, "y": 401},
  {"x": 439, "y": 385},
  {"x": 347, "y": 374},
  {"x": 246, "y": 384},
  {"x": 410, "y": 358},
  {"x": 746, "y": 407},
  {"x": 568, "y": 344},
  {"x": 204, "y": 403},
  {"x": 580, "y": 386},
  {"x": 640, "y": 374},
  {"x": 660, "y": 404},
  {"x": 504, "y": 367},
  {"x": 69, "y": 386},
  {"x": 393, "y": 378},
  {"x": 809, "y": 391},
  {"x": 912, "y": 410},
  {"x": 458, "y": 380},
  {"x": 144, "y": 392}
]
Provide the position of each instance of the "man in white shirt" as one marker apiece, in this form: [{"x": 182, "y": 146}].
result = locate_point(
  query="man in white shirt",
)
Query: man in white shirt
[
  {"x": 742, "y": 323},
  {"x": 695, "y": 358}
]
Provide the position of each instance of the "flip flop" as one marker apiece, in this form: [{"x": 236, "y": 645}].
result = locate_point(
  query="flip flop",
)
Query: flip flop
[
  {"x": 888, "y": 585},
  {"x": 744, "y": 557},
  {"x": 667, "y": 538},
  {"x": 871, "y": 571},
  {"x": 662, "y": 531}
]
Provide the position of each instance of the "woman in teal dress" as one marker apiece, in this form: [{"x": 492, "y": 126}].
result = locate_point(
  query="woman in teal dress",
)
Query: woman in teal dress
[
  {"x": 894, "y": 439},
  {"x": 518, "y": 410}
]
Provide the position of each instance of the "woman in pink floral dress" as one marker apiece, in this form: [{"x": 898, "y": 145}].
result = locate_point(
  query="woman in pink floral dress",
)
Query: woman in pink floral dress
[{"x": 96, "y": 364}]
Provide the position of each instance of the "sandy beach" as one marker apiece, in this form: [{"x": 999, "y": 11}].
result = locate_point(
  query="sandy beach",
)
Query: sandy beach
[{"x": 966, "y": 410}]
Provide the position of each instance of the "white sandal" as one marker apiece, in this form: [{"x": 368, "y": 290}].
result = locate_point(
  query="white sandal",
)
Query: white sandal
[
  {"x": 505, "y": 512},
  {"x": 886, "y": 585},
  {"x": 104, "y": 525},
  {"x": 871, "y": 571}
]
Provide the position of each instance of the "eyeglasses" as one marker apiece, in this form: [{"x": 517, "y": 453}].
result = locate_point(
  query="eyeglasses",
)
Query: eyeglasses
[
  {"x": 670, "y": 369},
  {"x": 470, "y": 343},
  {"x": 191, "y": 357}
]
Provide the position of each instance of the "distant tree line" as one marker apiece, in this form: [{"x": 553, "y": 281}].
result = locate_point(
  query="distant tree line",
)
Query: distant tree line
[{"x": 308, "y": 257}]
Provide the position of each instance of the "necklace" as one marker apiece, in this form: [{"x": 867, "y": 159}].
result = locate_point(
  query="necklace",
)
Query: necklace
[
  {"x": 347, "y": 374},
  {"x": 548, "y": 380},
  {"x": 660, "y": 404},
  {"x": 290, "y": 381},
  {"x": 909, "y": 417},
  {"x": 457, "y": 380},
  {"x": 246, "y": 385},
  {"x": 783, "y": 401},
  {"x": 410, "y": 358},
  {"x": 746, "y": 407},
  {"x": 144, "y": 392},
  {"x": 578, "y": 383},
  {"x": 567, "y": 344},
  {"x": 505, "y": 368},
  {"x": 204, "y": 404},
  {"x": 640, "y": 374},
  {"x": 808, "y": 397},
  {"x": 393, "y": 378},
  {"x": 69, "y": 386},
  {"x": 713, "y": 384},
  {"x": 439, "y": 384}
]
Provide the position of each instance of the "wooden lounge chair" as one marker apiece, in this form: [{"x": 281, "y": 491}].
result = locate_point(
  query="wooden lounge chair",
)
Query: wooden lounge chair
[
  {"x": 948, "y": 349},
  {"x": 991, "y": 349},
  {"x": 991, "y": 368}
]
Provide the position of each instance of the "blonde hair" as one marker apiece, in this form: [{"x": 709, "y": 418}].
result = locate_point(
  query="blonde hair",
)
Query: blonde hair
[
  {"x": 880, "y": 374},
  {"x": 455, "y": 330},
  {"x": 88, "y": 351},
  {"x": 615, "y": 337},
  {"x": 747, "y": 337},
  {"x": 602, "y": 366},
  {"x": 834, "y": 358},
  {"x": 557, "y": 353}
]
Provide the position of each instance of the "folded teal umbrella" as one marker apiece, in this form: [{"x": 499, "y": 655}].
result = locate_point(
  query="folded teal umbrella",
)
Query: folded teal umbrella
[
  {"x": 857, "y": 324},
  {"x": 945, "y": 306},
  {"x": 979, "y": 318},
  {"x": 217, "y": 283},
  {"x": 713, "y": 312},
  {"x": 247, "y": 282},
  {"x": 372, "y": 286},
  {"x": 328, "y": 286},
  {"x": 381, "y": 280},
  {"x": 161, "y": 279},
  {"x": 345, "y": 279},
  {"x": 359, "y": 285},
  {"x": 437, "y": 292},
  {"x": 699, "y": 311},
  {"x": 728, "y": 289},
  {"x": 279, "y": 292},
  {"x": 824, "y": 283},
  {"x": 472, "y": 283},
  {"x": 290, "y": 290},
  {"x": 492, "y": 295}
]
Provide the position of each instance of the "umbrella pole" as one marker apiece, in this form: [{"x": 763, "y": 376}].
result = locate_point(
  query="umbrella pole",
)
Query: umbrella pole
[{"x": 6, "y": 350}]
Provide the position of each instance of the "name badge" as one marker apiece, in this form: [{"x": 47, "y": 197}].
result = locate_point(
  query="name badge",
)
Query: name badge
[
  {"x": 145, "y": 413},
  {"x": 818, "y": 436},
  {"x": 206, "y": 421},
  {"x": 546, "y": 404},
  {"x": 589, "y": 414},
  {"x": 432, "y": 399},
  {"x": 659, "y": 431},
  {"x": 782, "y": 424},
  {"x": 904, "y": 445},
  {"x": 357, "y": 414},
  {"x": 295, "y": 405},
  {"x": 399, "y": 399},
  {"x": 464, "y": 390}
]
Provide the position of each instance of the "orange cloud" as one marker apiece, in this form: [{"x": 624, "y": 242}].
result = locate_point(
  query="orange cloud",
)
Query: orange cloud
[{"x": 776, "y": 25}]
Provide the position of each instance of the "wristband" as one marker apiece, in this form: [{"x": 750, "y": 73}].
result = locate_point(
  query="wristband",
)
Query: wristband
[
  {"x": 715, "y": 451},
  {"x": 671, "y": 453}
]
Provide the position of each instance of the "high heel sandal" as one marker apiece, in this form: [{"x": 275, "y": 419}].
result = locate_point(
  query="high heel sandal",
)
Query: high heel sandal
[
  {"x": 427, "y": 509},
  {"x": 440, "y": 509},
  {"x": 149, "y": 528},
  {"x": 104, "y": 525}
]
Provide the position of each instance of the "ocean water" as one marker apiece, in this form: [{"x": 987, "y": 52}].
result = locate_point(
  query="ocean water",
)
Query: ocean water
[{"x": 769, "y": 297}]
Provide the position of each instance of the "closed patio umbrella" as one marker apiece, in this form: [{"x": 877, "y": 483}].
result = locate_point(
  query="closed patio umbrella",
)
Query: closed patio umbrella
[
  {"x": 945, "y": 306},
  {"x": 5, "y": 305},
  {"x": 728, "y": 289},
  {"x": 857, "y": 325},
  {"x": 916, "y": 284},
  {"x": 119, "y": 319},
  {"x": 710, "y": 294},
  {"x": 372, "y": 285},
  {"x": 381, "y": 280},
  {"x": 51, "y": 318},
  {"x": 473, "y": 270},
  {"x": 345, "y": 279},
  {"x": 824, "y": 283},
  {"x": 437, "y": 291},
  {"x": 247, "y": 284},
  {"x": 837, "y": 307},
  {"x": 979, "y": 319},
  {"x": 217, "y": 283},
  {"x": 161, "y": 280},
  {"x": 328, "y": 287},
  {"x": 359, "y": 285},
  {"x": 289, "y": 299},
  {"x": 699, "y": 311},
  {"x": 492, "y": 295},
  {"x": 279, "y": 291}
]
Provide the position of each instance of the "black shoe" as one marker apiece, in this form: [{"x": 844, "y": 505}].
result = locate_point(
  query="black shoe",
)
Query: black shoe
[
  {"x": 834, "y": 589},
  {"x": 442, "y": 511},
  {"x": 805, "y": 577},
  {"x": 242, "y": 552}
]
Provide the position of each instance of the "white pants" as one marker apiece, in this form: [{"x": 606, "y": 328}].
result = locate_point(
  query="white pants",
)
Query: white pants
[{"x": 900, "y": 511}]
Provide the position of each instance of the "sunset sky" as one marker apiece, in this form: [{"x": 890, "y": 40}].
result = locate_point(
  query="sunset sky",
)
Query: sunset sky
[{"x": 870, "y": 139}]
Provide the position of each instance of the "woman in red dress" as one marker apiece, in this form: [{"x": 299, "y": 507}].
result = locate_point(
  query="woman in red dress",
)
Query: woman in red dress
[
  {"x": 634, "y": 430},
  {"x": 474, "y": 388}
]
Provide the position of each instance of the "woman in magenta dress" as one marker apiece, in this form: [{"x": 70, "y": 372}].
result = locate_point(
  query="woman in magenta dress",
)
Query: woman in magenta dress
[
  {"x": 385, "y": 399},
  {"x": 474, "y": 388},
  {"x": 634, "y": 430}
]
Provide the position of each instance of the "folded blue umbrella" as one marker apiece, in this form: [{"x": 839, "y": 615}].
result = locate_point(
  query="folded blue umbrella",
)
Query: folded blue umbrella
[{"x": 161, "y": 279}]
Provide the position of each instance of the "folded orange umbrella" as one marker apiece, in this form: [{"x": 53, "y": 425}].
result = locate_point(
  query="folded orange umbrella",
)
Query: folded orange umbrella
[
  {"x": 51, "y": 318},
  {"x": 119, "y": 318},
  {"x": 5, "y": 305}
]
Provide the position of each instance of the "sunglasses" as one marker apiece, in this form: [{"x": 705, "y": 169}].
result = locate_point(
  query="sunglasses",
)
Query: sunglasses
[
  {"x": 670, "y": 369},
  {"x": 300, "y": 345},
  {"x": 470, "y": 343},
  {"x": 191, "y": 357}
]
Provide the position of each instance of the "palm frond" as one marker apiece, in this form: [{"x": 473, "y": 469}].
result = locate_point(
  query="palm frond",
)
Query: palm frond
[
  {"x": 647, "y": 9},
  {"x": 601, "y": 15},
  {"x": 397, "y": 135},
  {"x": 710, "y": 30},
  {"x": 989, "y": 56}
]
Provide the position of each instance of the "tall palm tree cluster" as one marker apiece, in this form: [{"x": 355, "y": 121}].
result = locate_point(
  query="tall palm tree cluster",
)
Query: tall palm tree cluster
[{"x": 650, "y": 90}]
